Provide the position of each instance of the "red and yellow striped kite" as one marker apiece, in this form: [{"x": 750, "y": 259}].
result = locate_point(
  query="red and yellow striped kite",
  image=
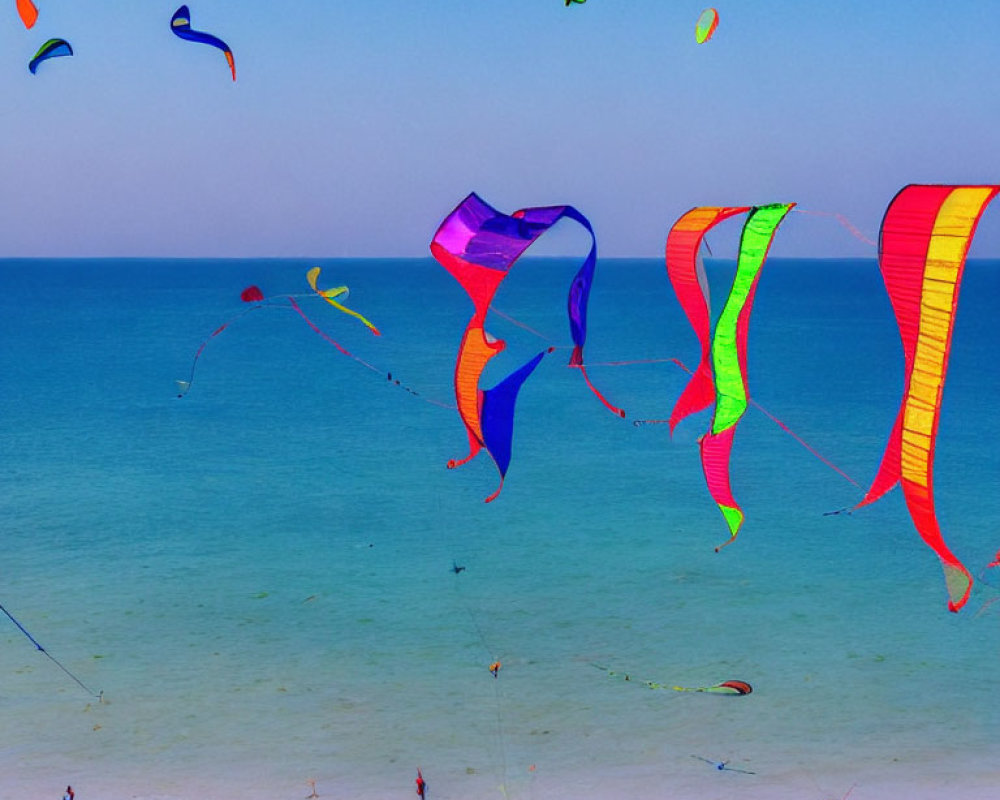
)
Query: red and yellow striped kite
[{"x": 923, "y": 244}]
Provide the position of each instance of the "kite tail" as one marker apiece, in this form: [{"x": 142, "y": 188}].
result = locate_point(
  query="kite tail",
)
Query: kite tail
[
  {"x": 354, "y": 314},
  {"x": 715, "y": 452},
  {"x": 958, "y": 582},
  {"x": 576, "y": 360},
  {"x": 474, "y": 447},
  {"x": 457, "y": 462},
  {"x": 495, "y": 494}
]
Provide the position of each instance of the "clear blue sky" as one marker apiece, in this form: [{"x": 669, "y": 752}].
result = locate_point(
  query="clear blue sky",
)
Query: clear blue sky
[{"x": 356, "y": 125}]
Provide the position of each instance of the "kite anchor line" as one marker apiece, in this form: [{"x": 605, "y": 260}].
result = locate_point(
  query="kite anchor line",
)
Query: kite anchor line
[
  {"x": 521, "y": 325},
  {"x": 34, "y": 641},
  {"x": 639, "y": 422},
  {"x": 754, "y": 403},
  {"x": 844, "y": 221},
  {"x": 494, "y": 669},
  {"x": 576, "y": 361}
]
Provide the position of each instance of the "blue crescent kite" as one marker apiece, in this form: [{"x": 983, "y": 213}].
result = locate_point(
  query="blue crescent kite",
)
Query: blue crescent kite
[
  {"x": 180, "y": 24},
  {"x": 51, "y": 49}
]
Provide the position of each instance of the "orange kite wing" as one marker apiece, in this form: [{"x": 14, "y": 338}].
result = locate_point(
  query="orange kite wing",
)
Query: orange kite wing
[{"x": 28, "y": 12}]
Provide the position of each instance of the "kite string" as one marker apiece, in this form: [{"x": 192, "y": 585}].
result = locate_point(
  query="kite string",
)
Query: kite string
[
  {"x": 684, "y": 367},
  {"x": 844, "y": 221},
  {"x": 323, "y": 334},
  {"x": 519, "y": 324},
  {"x": 34, "y": 641},
  {"x": 804, "y": 443},
  {"x": 185, "y": 386},
  {"x": 760, "y": 408},
  {"x": 298, "y": 309},
  {"x": 496, "y": 688},
  {"x": 293, "y": 305},
  {"x": 575, "y": 362}
]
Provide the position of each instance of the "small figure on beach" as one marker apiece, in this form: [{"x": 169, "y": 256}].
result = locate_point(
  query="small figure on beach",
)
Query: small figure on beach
[
  {"x": 495, "y": 668},
  {"x": 70, "y": 794},
  {"x": 421, "y": 785}
]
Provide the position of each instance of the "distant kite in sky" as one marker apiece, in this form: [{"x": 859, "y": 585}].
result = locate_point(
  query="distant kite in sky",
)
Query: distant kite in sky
[
  {"x": 340, "y": 291},
  {"x": 574, "y": 1},
  {"x": 252, "y": 294},
  {"x": 180, "y": 24},
  {"x": 721, "y": 375},
  {"x": 255, "y": 300},
  {"x": 704, "y": 29},
  {"x": 925, "y": 237},
  {"x": 28, "y": 12},
  {"x": 53, "y": 48},
  {"x": 478, "y": 245}
]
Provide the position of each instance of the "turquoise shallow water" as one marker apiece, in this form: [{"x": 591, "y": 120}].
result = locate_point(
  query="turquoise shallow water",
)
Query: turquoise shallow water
[{"x": 258, "y": 575}]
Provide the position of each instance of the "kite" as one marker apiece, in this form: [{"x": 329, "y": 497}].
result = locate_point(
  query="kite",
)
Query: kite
[
  {"x": 478, "y": 245},
  {"x": 574, "y": 1},
  {"x": 923, "y": 243},
  {"x": 180, "y": 24},
  {"x": 731, "y": 687},
  {"x": 53, "y": 48},
  {"x": 704, "y": 29},
  {"x": 687, "y": 276},
  {"x": 28, "y": 12},
  {"x": 721, "y": 374},
  {"x": 254, "y": 297},
  {"x": 726, "y": 687},
  {"x": 340, "y": 291},
  {"x": 723, "y": 765}
]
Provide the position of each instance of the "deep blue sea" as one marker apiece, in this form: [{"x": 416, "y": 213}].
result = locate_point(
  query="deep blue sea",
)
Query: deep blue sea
[{"x": 259, "y": 575}]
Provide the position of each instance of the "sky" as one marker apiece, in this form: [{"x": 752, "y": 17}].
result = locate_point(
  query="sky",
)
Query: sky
[{"x": 355, "y": 126}]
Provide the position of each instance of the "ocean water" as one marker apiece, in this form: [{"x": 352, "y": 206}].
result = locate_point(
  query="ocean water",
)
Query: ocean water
[{"x": 259, "y": 576}]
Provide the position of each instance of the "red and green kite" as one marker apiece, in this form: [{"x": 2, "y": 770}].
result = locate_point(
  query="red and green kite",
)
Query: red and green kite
[{"x": 721, "y": 375}]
